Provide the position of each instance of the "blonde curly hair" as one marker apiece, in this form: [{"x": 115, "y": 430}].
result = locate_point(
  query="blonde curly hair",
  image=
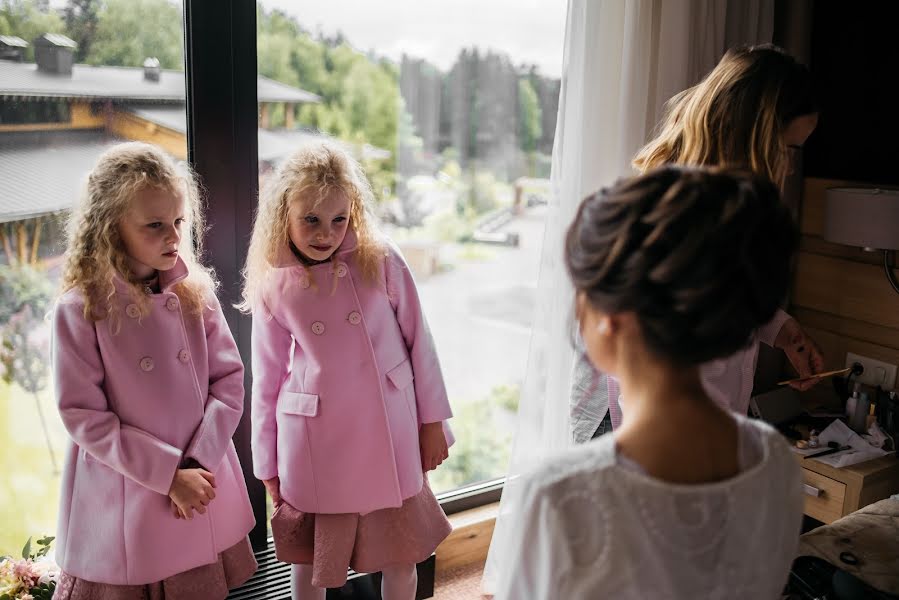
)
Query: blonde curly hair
[
  {"x": 94, "y": 249},
  {"x": 736, "y": 116},
  {"x": 309, "y": 175}
]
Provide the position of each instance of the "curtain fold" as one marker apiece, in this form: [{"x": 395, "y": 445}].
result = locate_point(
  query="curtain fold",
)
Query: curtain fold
[{"x": 622, "y": 60}]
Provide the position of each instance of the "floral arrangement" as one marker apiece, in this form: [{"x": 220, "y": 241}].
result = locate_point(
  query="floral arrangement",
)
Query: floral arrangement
[{"x": 32, "y": 577}]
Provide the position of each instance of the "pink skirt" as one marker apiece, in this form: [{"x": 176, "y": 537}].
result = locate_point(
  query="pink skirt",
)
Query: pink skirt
[
  {"x": 331, "y": 543},
  {"x": 234, "y": 567}
]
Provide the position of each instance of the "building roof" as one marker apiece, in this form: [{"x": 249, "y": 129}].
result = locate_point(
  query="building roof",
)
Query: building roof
[
  {"x": 23, "y": 80},
  {"x": 42, "y": 172},
  {"x": 169, "y": 116},
  {"x": 274, "y": 144}
]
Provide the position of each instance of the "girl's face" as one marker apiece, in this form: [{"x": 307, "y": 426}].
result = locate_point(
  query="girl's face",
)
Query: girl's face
[
  {"x": 151, "y": 231},
  {"x": 318, "y": 230}
]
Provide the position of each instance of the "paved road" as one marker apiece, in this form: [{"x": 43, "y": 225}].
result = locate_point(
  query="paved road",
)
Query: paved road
[{"x": 480, "y": 311}]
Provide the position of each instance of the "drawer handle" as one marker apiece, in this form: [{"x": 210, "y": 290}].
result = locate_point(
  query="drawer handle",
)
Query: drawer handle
[{"x": 812, "y": 490}]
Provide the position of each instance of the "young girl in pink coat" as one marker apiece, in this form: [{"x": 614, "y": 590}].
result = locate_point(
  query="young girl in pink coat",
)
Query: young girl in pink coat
[
  {"x": 348, "y": 398},
  {"x": 149, "y": 385}
]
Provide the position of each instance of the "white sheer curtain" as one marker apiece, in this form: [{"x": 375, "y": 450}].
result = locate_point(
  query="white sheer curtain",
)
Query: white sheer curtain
[{"x": 622, "y": 60}]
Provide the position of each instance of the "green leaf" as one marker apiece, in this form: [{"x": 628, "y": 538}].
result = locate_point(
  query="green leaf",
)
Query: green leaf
[
  {"x": 46, "y": 540},
  {"x": 5, "y": 597},
  {"x": 26, "y": 551}
]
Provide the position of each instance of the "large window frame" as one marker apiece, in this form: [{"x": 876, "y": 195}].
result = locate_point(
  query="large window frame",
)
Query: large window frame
[{"x": 220, "y": 68}]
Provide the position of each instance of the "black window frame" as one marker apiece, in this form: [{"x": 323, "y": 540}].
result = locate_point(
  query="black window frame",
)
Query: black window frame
[{"x": 222, "y": 116}]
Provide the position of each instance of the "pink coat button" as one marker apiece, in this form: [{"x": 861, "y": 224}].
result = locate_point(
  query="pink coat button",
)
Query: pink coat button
[
  {"x": 132, "y": 311},
  {"x": 172, "y": 303},
  {"x": 318, "y": 328},
  {"x": 342, "y": 270},
  {"x": 184, "y": 356},
  {"x": 355, "y": 318},
  {"x": 147, "y": 364}
]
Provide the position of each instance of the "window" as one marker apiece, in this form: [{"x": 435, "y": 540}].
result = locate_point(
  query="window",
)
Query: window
[
  {"x": 456, "y": 146},
  {"x": 81, "y": 77},
  {"x": 32, "y": 113},
  {"x": 453, "y": 118}
]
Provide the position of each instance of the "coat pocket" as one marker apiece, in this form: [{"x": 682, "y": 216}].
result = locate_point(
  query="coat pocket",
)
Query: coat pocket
[
  {"x": 298, "y": 403},
  {"x": 401, "y": 375}
]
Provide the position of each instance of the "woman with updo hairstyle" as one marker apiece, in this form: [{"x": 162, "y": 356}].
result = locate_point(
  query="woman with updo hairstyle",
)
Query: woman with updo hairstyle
[{"x": 686, "y": 499}]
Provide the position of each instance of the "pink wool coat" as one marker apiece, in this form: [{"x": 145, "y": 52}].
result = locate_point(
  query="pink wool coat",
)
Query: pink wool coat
[
  {"x": 341, "y": 383},
  {"x": 166, "y": 388}
]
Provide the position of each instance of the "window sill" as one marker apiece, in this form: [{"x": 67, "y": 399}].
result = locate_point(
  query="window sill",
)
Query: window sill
[{"x": 470, "y": 539}]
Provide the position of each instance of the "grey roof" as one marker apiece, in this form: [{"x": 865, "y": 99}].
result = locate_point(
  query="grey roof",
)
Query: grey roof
[
  {"x": 274, "y": 144},
  {"x": 42, "y": 172},
  {"x": 168, "y": 116},
  {"x": 120, "y": 83}
]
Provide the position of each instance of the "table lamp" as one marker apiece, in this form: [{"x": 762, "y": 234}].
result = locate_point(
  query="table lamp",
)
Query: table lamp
[{"x": 864, "y": 217}]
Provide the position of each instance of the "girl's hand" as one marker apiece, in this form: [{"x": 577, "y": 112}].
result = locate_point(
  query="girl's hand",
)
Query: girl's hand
[
  {"x": 192, "y": 490},
  {"x": 176, "y": 512},
  {"x": 803, "y": 352},
  {"x": 273, "y": 487},
  {"x": 433, "y": 445}
]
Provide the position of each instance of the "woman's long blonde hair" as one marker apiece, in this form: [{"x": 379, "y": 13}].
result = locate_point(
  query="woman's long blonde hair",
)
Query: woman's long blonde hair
[
  {"x": 312, "y": 172},
  {"x": 95, "y": 251},
  {"x": 736, "y": 116}
]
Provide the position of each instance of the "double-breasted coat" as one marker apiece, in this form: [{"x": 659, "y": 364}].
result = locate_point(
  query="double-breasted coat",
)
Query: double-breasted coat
[
  {"x": 138, "y": 403},
  {"x": 344, "y": 373}
]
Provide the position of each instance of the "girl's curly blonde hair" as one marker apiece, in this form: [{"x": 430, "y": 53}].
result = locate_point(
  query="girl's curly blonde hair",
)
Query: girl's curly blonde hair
[
  {"x": 95, "y": 251},
  {"x": 309, "y": 175}
]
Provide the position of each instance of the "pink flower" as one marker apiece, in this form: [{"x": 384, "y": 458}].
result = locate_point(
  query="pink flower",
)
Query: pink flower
[{"x": 25, "y": 572}]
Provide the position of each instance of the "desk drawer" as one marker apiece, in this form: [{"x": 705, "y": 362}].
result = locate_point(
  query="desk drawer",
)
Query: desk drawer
[{"x": 823, "y": 496}]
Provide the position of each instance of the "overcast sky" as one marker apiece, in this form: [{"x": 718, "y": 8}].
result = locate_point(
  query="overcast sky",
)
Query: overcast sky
[{"x": 529, "y": 31}]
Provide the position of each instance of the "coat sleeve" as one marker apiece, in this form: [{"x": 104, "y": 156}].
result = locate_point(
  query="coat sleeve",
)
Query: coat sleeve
[
  {"x": 430, "y": 391},
  {"x": 78, "y": 375},
  {"x": 271, "y": 355},
  {"x": 224, "y": 403},
  {"x": 589, "y": 401}
]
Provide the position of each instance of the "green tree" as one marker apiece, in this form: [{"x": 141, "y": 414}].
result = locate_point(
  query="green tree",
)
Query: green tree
[
  {"x": 530, "y": 123},
  {"x": 530, "y": 128},
  {"x": 81, "y": 19},
  {"x": 28, "y": 20},
  {"x": 361, "y": 101},
  {"x": 129, "y": 31}
]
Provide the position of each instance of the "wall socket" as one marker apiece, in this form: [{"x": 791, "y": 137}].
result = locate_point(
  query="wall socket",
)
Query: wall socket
[{"x": 876, "y": 372}]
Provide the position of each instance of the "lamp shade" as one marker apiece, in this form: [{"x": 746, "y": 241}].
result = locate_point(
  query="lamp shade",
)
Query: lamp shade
[{"x": 863, "y": 217}]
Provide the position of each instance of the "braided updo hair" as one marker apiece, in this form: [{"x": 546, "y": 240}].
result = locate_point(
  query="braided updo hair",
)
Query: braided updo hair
[{"x": 701, "y": 256}]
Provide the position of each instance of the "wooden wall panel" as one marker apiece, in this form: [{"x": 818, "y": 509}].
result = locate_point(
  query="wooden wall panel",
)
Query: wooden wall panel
[{"x": 840, "y": 294}]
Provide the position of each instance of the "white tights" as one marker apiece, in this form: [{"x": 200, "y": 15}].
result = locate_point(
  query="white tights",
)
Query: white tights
[{"x": 398, "y": 582}]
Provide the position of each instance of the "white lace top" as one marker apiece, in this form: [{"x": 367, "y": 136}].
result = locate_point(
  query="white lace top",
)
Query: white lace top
[{"x": 593, "y": 526}]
